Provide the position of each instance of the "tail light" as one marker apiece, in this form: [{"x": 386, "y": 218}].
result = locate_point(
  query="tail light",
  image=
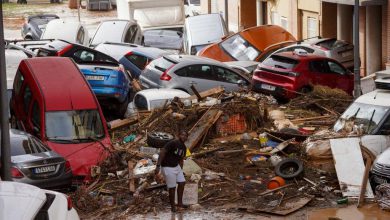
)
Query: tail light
[
  {"x": 70, "y": 204},
  {"x": 64, "y": 50},
  {"x": 15, "y": 173},
  {"x": 67, "y": 166},
  {"x": 165, "y": 75}
]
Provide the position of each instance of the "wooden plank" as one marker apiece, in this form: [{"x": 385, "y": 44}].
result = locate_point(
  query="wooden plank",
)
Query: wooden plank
[
  {"x": 349, "y": 166},
  {"x": 204, "y": 123},
  {"x": 119, "y": 123},
  {"x": 207, "y": 93},
  {"x": 130, "y": 166}
]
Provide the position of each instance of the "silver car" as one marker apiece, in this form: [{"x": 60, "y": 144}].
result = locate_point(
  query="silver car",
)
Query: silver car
[
  {"x": 339, "y": 50},
  {"x": 182, "y": 71}
]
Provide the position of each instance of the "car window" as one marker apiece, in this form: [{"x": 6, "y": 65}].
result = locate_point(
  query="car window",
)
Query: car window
[
  {"x": 19, "y": 79},
  {"x": 331, "y": 44},
  {"x": 336, "y": 68},
  {"x": 385, "y": 128},
  {"x": 36, "y": 115},
  {"x": 101, "y": 57},
  {"x": 138, "y": 60},
  {"x": 80, "y": 36},
  {"x": 83, "y": 56},
  {"x": 26, "y": 98},
  {"x": 21, "y": 145},
  {"x": 140, "y": 102},
  {"x": 226, "y": 75},
  {"x": 162, "y": 64},
  {"x": 197, "y": 71},
  {"x": 319, "y": 66},
  {"x": 280, "y": 62},
  {"x": 130, "y": 34},
  {"x": 239, "y": 48}
]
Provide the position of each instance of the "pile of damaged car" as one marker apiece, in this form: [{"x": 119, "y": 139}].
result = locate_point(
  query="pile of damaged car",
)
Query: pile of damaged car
[{"x": 149, "y": 109}]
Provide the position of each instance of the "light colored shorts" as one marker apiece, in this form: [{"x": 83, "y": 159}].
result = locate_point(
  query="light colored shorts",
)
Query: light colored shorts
[{"x": 173, "y": 175}]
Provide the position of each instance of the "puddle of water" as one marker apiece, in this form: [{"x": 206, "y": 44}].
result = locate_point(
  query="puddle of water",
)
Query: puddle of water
[{"x": 367, "y": 212}]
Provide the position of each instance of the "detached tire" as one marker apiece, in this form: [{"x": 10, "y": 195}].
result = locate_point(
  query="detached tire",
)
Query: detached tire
[
  {"x": 158, "y": 139},
  {"x": 289, "y": 168}
]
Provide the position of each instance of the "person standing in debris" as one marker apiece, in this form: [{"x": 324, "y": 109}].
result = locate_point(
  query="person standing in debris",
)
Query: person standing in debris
[{"x": 171, "y": 162}]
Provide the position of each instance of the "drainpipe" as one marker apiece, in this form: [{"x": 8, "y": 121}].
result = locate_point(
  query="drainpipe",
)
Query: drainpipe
[
  {"x": 5, "y": 139},
  {"x": 259, "y": 13},
  {"x": 227, "y": 15},
  {"x": 356, "y": 68}
]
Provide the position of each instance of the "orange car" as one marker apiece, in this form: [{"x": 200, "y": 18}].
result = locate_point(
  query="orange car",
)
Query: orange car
[{"x": 254, "y": 44}]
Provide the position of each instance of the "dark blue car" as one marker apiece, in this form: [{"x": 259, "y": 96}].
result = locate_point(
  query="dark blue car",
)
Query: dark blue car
[
  {"x": 35, "y": 25},
  {"x": 108, "y": 79},
  {"x": 134, "y": 58}
]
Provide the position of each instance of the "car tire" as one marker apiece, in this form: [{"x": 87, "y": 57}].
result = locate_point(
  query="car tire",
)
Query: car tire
[
  {"x": 289, "y": 168},
  {"x": 158, "y": 139}
]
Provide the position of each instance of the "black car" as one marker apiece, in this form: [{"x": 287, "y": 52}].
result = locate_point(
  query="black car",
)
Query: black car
[
  {"x": 34, "y": 163},
  {"x": 35, "y": 25}
]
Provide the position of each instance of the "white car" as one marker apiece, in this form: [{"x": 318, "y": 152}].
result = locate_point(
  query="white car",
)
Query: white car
[
  {"x": 150, "y": 99},
  {"x": 71, "y": 31},
  {"x": 24, "y": 202}
]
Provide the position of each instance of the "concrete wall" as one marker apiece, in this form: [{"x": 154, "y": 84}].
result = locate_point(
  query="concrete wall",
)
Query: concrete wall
[{"x": 283, "y": 10}]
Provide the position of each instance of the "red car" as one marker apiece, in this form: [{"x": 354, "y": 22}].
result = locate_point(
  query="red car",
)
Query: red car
[
  {"x": 52, "y": 100},
  {"x": 284, "y": 74}
]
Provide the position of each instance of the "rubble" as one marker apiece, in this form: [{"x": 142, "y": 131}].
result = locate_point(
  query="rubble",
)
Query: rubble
[{"x": 227, "y": 162}]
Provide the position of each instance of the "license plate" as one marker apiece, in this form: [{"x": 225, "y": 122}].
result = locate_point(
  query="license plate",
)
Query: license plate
[
  {"x": 268, "y": 87},
  {"x": 44, "y": 169},
  {"x": 94, "y": 77},
  {"x": 379, "y": 180}
]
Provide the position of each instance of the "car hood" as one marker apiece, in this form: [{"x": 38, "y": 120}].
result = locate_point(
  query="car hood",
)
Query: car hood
[
  {"x": 24, "y": 198},
  {"x": 156, "y": 13},
  {"x": 384, "y": 158},
  {"x": 82, "y": 156}
]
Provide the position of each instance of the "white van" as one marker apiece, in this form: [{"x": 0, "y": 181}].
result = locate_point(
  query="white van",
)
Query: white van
[
  {"x": 202, "y": 30},
  {"x": 71, "y": 31}
]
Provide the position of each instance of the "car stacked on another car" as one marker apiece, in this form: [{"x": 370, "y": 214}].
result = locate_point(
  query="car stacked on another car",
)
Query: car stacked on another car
[
  {"x": 133, "y": 57},
  {"x": 108, "y": 79},
  {"x": 34, "y": 163},
  {"x": 339, "y": 50},
  {"x": 35, "y": 25},
  {"x": 285, "y": 74},
  {"x": 71, "y": 31},
  {"x": 183, "y": 71}
]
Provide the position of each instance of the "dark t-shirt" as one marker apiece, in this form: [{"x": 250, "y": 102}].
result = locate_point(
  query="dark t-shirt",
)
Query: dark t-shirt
[{"x": 175, "y": 152}]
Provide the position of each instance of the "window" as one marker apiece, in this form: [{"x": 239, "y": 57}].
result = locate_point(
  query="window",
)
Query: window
[
  {"x": 139, "y": 61},
  {"x": 336, "y": 68},
  {"x": 312, "y": 27},
  {"x": 131, "y": 34},
  {"x": 83, "y": 56},
  {"x": 385, "y": 128},
  {"x": 26, "y": 98},
  {"x": 239, "y": 48},
  {"x": 27, "y": 145},
  {"x": 280, "y": 62},
  {"x": 284, "y": 22},
  {"x": 162, "y": 64},
  {"x": 225, "y": 75},
  {"x": 197, "y": 71},
  {"x": 80, "y": 36},
  {"x": 36, "y": 115},
  {"x": 319, "y": 66},
  {"x": 18, "y": 82},
  {"x": 274, "y": 18}
]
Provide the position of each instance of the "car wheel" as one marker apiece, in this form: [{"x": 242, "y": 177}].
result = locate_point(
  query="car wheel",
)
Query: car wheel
[
  {"x": 158, "y": 139},
  {"x": 122, "y": 107},
  {"x": 289, "y": 168}
]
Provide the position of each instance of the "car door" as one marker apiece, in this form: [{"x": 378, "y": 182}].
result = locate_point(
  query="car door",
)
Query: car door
[
  {"x": 320, "y": 73},
  {"x": 229, "y": 79},
  {"x": 201, "y": 76},
  {"x": 34, "y": 124},
  {"x": 341, "y": 77}
]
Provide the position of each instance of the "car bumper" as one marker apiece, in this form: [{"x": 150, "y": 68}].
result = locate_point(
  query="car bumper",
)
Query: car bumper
[
  {"x": 272, "y": 89},
  {"x": 63, "y": 181},
  {"x": 106, "y": 93},
  {"x": 148, "y": 84}
]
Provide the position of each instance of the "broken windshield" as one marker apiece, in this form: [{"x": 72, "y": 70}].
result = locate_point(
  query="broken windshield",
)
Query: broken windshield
[
  {"x": 239, "y": 48},
  {"x": 362, "y": 114},
  {"x": 74, "y": 125}
]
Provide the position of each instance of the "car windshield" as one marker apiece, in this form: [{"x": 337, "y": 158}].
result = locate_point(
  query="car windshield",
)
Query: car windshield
[
  {"x": 369, "y": 116},
  {"x": 74, "y": 125},
  {"x": 162, "y": 64},
  {"x": 332, "y": 44},
  {"x": 239, "y": 48},
  {"x": 280, "y": 62}
]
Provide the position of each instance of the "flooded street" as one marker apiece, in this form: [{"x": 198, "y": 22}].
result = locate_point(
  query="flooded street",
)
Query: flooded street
[{"x": 14, "y": 16}]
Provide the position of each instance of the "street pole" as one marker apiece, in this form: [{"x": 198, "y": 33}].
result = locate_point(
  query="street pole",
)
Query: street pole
[
  {"x": 5, "y": 143},
  {"x": 356, "y": 57},
  {"x": 227, "y": 15}
]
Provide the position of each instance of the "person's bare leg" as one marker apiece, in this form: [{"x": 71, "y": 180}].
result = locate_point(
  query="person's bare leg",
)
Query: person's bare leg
[
  {"x": 171, "y": 192},
  {"x": 180, "y": 191}
]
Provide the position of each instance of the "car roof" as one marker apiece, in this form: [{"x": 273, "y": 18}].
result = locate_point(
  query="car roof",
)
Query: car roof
[
  {"x": 27, "y": 199},
  {"x": 243, "y": 63},
  {"x": 192, "y": 59},
  {"x": 62, "y": 84},
  {"x": 293, "y": 55},
  {"x": 153, "y": 94},
  {"x": 123, "y": 49},
  {"x": 379, "y": 97}
]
